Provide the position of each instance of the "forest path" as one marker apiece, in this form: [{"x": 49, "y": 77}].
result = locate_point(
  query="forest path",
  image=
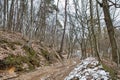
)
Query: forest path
[
  {"x": 56, "y": 71},
  {"x": 70, "y": 69}
]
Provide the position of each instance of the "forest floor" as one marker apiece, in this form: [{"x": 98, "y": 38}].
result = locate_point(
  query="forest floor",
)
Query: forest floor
[
  {"x": 57, "y": 71},
  {"x": 70, "y": 69}
]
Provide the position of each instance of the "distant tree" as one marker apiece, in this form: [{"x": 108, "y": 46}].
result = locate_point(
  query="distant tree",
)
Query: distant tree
[
  {"x": 63, "y": 36},
  {"x": 10, "y": 18},
  {"x": 93, "y": 32},
  {"x": 0, "y": 13}
]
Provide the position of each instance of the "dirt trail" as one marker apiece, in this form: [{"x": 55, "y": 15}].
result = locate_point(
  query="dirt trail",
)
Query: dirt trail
[{"x": 56, "y": 71}]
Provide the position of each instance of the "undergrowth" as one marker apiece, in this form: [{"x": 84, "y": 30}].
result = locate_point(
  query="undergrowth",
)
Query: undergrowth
[{"x": 112, "y": 71}]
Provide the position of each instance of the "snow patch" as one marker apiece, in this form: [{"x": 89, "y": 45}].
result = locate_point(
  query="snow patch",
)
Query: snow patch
[{"x": 88, "y": 69}]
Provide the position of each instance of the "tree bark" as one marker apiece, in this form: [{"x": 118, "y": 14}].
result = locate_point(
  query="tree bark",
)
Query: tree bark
[
  {"x": 93, "y": 33},
  {"x": 110, "y": 30},
  {"x": 11, "y": 16},
  {"x": 99, "y": 27},
  {"x": 63, "y": 36},
  {"x": 4, "y": 22}
]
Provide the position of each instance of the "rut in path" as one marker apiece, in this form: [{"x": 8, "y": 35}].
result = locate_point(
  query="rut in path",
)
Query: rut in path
[{"x": 56, "y": 71}]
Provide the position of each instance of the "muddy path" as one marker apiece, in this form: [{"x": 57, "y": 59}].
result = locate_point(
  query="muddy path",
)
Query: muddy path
[{"x": 57, "y": 71}]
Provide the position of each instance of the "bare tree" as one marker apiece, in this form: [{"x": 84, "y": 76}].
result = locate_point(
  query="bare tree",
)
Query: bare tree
[
  {"x": 63, "y": 36},
  {"x": 92, "y": 29},
  {"x": 4, "y": 21},
  {"x": 55, "y": 27},
  {"x": 99, "y": 26},
  {"x": 110, "y": 29},
  {"x": 11, "y": 16},
  {"x": 0, "y": 13}
]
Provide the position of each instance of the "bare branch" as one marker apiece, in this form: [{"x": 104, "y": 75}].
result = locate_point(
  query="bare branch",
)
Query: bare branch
[
  {"x": 114, "y": 4},
  {"x": 101, "y": 4}
]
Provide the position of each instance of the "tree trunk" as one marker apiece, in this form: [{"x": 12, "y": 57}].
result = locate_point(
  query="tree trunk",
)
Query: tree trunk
[
  {"x": 93, "y": 33},
  {"x": 55, "y": 27},
  {"x": 99, "y": 27},
  {"x": 110, "y": 30},
  {"x": 4, "y": 21},
  {"x": 31, "y": 13},
  {"x": 11, "y": 16},
  {"x": 63, "y": 36}
]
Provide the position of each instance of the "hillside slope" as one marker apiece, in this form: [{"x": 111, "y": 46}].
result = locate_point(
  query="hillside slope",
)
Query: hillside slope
[{"x": 24, "y": 55}]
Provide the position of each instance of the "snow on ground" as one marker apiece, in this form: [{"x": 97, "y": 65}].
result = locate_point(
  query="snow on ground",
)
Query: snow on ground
[{"x": 88, "y": 69}]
